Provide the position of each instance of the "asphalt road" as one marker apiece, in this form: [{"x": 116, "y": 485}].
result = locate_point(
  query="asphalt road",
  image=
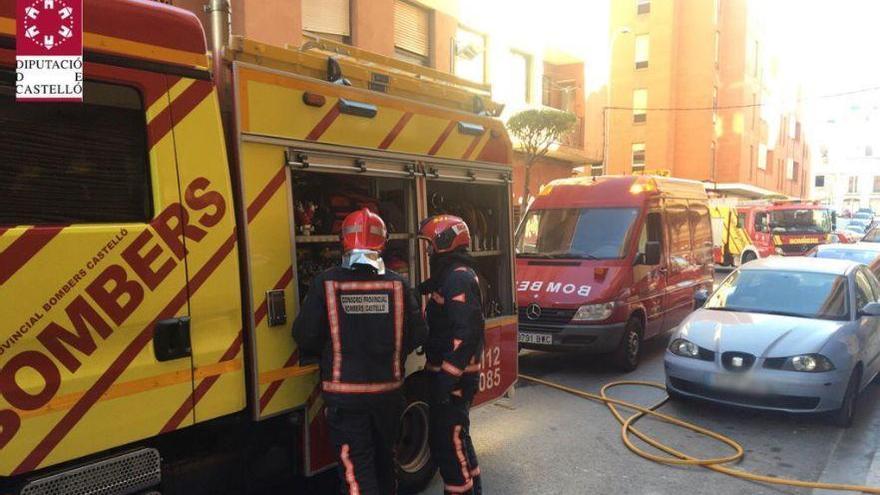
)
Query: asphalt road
[{"x": 547, "y": 442}]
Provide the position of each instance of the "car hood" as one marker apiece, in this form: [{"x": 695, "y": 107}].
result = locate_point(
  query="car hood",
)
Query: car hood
[
  {"x": 755, "y": 333},
  {"x": 566, "y": 283}
]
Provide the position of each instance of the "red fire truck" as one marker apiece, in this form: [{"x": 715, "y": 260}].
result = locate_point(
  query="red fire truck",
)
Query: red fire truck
[
  {"x": 746, "y": 231},
  {"x": 156, "y": 241}
]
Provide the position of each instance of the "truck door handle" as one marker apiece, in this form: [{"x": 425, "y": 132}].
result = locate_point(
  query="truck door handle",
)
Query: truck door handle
[{"x": 171, "y": 339}]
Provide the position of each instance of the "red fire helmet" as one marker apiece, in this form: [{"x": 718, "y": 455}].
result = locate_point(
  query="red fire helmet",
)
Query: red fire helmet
[
  {"x": 363, "y": 230},
  {"x": 445, "y": 233}
]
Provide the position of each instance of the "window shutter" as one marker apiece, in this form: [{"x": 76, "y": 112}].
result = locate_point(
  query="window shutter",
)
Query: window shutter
[
  {"x": 411, "y": 28},
  {"x": 326, "y": 16}
]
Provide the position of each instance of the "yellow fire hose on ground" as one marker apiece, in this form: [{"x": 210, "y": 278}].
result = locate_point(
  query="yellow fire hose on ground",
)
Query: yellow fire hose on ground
[{"x": 675, "y": 457}]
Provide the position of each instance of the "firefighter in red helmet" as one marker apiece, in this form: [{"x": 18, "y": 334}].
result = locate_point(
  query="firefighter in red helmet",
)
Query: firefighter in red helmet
[
  {"x": 363, "y": 321},
  {"x": 455, "y": 343}
]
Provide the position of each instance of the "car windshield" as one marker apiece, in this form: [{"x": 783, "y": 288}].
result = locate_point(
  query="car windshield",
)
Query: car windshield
[
  {"x": 789, "y": 293},
  {"x": 791, "y": 221},
  {"x": 861, "y": 256},
  {"x": 591, "y": 233},
  {"x": 872, "y": 236}
]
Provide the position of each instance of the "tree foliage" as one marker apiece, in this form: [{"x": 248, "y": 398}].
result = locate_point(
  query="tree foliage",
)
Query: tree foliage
[{"x": 537, "y": 130}]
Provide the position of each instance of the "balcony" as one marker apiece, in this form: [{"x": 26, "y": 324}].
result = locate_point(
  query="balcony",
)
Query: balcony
[{"x": 575, "y": 138}]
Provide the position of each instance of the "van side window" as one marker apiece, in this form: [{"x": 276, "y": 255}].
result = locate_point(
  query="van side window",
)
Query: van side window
[
  {"x": 64, "y": 163},
  {"x": 679, "y": 229},
  {"x": 651, "y": 230},
  {"x": 701, "y": 231},
  {"x": 761, "y": 224}
]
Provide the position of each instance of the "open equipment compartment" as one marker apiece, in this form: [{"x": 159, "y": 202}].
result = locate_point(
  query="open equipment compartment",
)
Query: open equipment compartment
[
  {"x": 327, "y": 186},
  {"x": 480, "y": 198}
]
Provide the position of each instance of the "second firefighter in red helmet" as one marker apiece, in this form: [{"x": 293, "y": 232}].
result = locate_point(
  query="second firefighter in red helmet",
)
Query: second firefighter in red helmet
[{"x": 455, "y": 343}]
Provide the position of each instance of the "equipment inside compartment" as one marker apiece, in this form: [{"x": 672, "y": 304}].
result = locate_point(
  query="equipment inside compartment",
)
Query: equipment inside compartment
[
  {"x": 321, "y": 203},
  {"x": 323, "y": 200},
  {"x": 482, "y": 207}
]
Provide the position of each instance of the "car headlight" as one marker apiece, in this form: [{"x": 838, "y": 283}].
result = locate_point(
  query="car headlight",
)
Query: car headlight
[
  {"x": 808, "y": 363},
  {"x": 594, "y": 312},
  {"x": 684, "y": 348}
]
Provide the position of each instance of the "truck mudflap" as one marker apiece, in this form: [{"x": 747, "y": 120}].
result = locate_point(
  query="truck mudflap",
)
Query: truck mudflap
[{"x": 499, "y": 364}]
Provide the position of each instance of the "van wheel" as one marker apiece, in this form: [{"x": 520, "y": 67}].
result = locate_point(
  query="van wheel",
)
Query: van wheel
[
  {"x": 746, "y": 257},
  {"x": 629, "y": 351},
  {"x": 415, "y": 467}
]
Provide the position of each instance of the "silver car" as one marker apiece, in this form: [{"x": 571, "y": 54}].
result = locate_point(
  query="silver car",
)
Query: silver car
[{"x": 786, "y": 334}]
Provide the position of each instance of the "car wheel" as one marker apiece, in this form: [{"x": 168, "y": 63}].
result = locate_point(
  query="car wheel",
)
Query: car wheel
[
  {"x": 629, "y": 351},
  {"x": 843, "y": 417},
  {"x": 415, "y": 467},
  {"x": 746, "y": 257}
]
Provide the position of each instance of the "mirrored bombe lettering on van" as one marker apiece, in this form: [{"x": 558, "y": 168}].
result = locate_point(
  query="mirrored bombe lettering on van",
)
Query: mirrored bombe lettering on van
[{"x": 552, "y": 287}]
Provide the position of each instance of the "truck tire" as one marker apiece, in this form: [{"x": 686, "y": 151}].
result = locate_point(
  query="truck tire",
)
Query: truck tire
[
  {"x": 629, "y": 352},
  {"x": 746, "y": 257},
  {"x": 415, "y": 467}
]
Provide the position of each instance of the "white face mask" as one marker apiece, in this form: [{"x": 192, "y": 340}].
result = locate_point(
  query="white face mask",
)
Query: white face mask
[{"x": 364, "y": 257}]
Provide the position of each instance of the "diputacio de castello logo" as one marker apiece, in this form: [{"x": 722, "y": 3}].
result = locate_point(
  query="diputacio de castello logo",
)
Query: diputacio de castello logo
[{"x": 49, "y": 61}]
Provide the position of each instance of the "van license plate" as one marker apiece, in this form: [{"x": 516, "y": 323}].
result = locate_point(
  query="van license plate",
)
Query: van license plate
[{"x": 535, "y": 338}]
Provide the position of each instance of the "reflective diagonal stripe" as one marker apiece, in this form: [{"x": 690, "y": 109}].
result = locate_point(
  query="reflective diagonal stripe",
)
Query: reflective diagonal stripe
[
  {"x": 395, "y": 131},
  {"x": 324, "y": 124},
  {"x": 24, "y": 248},
  {"x": 442, "y": 139}
]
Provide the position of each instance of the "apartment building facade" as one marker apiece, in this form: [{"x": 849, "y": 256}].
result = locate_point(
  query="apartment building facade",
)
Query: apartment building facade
[
  {"x": 521, "y": 73},
  {"x": 694, "y": 92}
]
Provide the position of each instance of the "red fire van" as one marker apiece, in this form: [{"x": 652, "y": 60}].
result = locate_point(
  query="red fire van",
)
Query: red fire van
[{"x": 604, "y": 263}]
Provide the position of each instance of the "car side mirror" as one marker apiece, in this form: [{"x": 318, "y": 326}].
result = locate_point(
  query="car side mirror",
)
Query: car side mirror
[
  {"x": 651, "y": 256},
  {"x": 871, "y": 310},
  {"x": 700, "y": 298}
]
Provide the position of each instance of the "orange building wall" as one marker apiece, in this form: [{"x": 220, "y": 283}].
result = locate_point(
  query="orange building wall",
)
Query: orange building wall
[{"x": 682, "y": 74}]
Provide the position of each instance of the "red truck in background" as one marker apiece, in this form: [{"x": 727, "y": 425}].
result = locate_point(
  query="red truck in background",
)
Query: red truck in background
[{"x": 746, "y": 231}]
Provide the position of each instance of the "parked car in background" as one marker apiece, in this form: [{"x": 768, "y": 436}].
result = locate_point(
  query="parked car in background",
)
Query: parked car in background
[
  {"x": 873, "y": 235},
  {"x": 857, "y": 225},
  {"x": 795, "y": 335},
  {"x": 867, "y": 253},
  {"x": 603, "y": 263}
]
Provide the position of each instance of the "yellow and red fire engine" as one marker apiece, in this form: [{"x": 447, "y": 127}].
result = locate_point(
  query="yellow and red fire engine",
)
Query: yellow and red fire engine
[{"x": 155, "y": 242}]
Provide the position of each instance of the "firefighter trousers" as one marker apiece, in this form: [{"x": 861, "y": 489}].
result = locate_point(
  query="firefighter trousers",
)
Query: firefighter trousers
[
  {"x": 450, "y": 440},
  {"x": 364, "y": 440}
]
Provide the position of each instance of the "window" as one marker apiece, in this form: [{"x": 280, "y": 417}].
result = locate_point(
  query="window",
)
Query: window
[
  {"x": 853, "y": 184},
  {"x": 712, "y": 159},
  {"x": 638, "y": 157},
  {"x": 714, "y": 104},
  {"x": 520, "y": 75},
  {"x": 801, "y": 294},
  {"x": 643, "y": 6},
  {"x": 412, "y": 33},
  {"x": 470, "y": 55},
  {"x": 762, "y": 156},
  {"x": 741, "y": 220},
  {"x": 328, "y": 18},
  {"x": 546, "y": 91},
  {"x": 63, "y": 163},
  {"x": 820, "y": 181},
  {"x": 869, "y": 151},
  {"x": 652, "y": 231},
  {"x": 796, "y": 170},
  {"x": 864, "y": 295},
  {"x": 754, "y": 109},
  {"x": 642, "y": 51},
  {"x": 756, "y": 59},
  {"x": 877, "y": 184},
  {"x": 577, "y": 232},
  {"x": 679, "y": 237},
  {"x": 717, "y": 48},
  {"x": 701, "y": 232},
  {"x": 789, "y": 169},
  {"x": 640, "y": 105}
]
